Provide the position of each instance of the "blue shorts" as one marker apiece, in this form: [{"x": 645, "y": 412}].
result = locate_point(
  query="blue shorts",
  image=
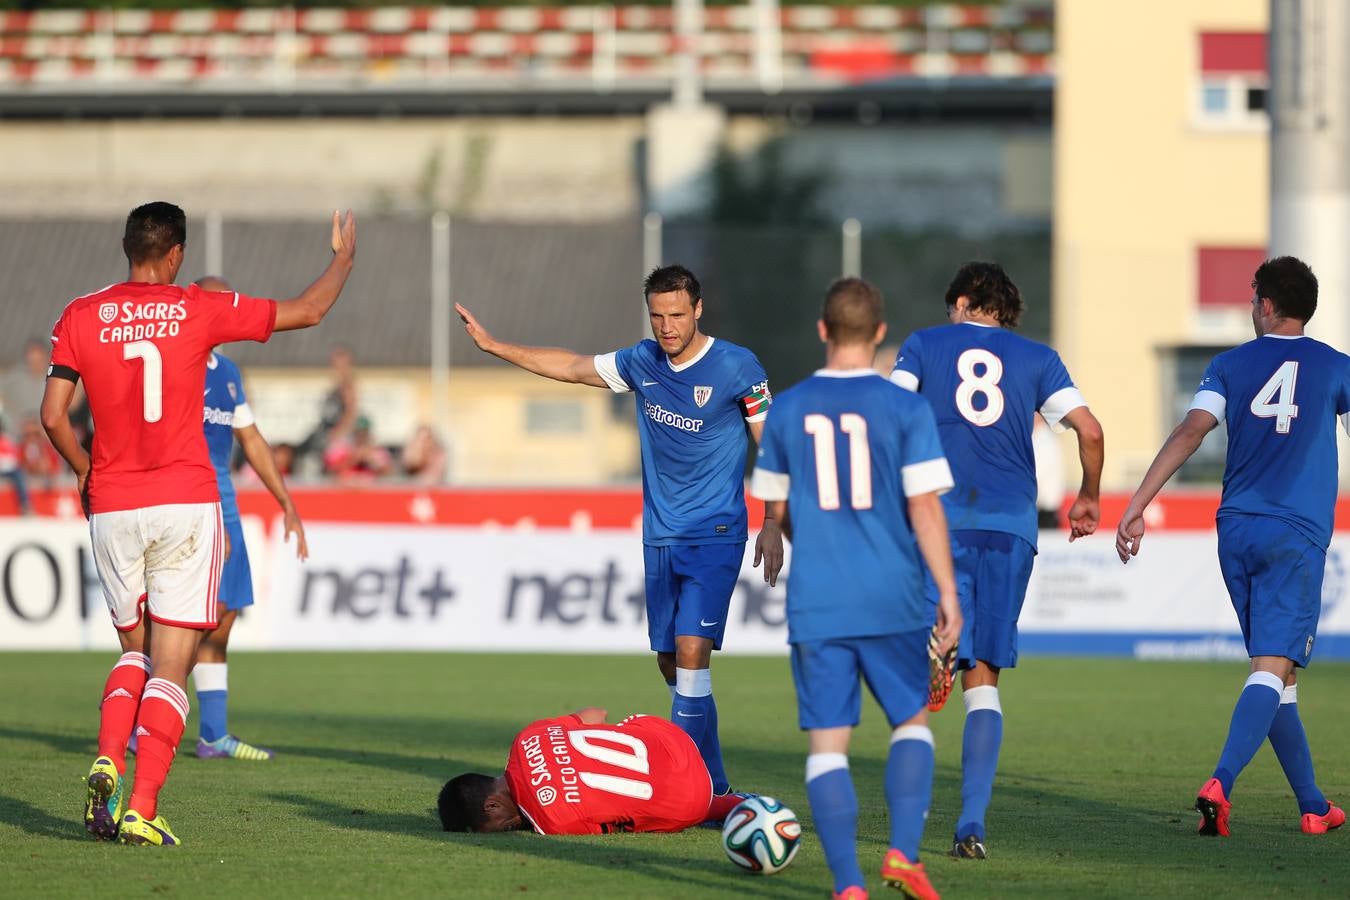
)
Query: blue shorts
[
  {"x": 992, "y": 571},
  {"x": 236, "y": 577},
  {"x": 1274, "y": 578},
  {"x": 689, "y": 590},
  {"x": 895, "y": 667}
]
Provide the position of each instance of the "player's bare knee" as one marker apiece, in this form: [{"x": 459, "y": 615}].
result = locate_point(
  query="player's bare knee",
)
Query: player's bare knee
[{"x": 693, "y": 652}]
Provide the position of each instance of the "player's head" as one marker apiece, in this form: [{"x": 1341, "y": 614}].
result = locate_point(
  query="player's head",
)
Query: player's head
[
  {"x": 853, "y": 314},
  {"x": 213, "y": 283},
  {"x": 674, "y": 306},
  {"x": 984, "y": 288},
  {"x": 1284, "y": 288},
  {"x": 477, "y": 802},
  {"x": 154, "y": 236}
]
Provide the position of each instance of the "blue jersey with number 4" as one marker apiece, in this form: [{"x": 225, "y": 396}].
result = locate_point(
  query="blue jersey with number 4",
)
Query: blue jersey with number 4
[
  {"x": 225, "y": 409},
  {"x": 846, "y": 449},
  {"x": 985, "y": 385},
  {"x": 1280, "y": 397},
  {"x": 691, "y": 428}
]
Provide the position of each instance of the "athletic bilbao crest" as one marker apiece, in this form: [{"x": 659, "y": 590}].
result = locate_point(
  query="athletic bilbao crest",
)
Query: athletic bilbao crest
[
  {"x": 107, "y": 312},
  {"x": 702, "y": 394}
]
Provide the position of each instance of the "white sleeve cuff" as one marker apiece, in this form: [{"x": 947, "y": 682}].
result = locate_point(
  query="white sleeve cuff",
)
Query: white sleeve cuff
[
  {"x": 907, "y": 380},
  {"x": 757, "y": 417},
  {"x": 1211, "y": 402},
  {"x": 607, "y": 366},
  {"x": 243, "y": 416},
  {"x": 1345, "y": 422},
  {"x": 1060, "y": 404},
  {"x": 927, "y": 477},
  {"x": 768, "y": 485}
]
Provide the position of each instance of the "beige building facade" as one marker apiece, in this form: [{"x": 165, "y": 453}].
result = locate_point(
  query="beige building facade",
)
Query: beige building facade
[{"x": 1161, "y": 206}]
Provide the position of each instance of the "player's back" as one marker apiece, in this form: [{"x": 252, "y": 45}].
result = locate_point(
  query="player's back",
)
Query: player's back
[
  {"x": 850, "y": 442},
  {"x": 1280, "y": 397},
  {"x": 141, "y": 350},
  {"x": 985, "y": 385},
  {"x": 642, "y": 774}
]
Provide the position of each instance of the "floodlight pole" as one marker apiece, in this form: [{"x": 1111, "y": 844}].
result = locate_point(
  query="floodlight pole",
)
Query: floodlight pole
[
  {"x": 851, "y": 239},
  {"x": 440, "y": 321},
  {"x": 652, "y": 225}
]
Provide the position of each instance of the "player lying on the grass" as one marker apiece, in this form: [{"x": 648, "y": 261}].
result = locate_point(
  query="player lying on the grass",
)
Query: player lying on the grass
[
  {"x": 695, "y": 396},
  {"x": 150, "y": 491},
  {"x": 1280, "y": 396},
  {"x": 986, "y": 385},
  {"x": 227, "y": 417},
  {"x": 575, "y": 774},
  {"x": 852, "y": 466}
]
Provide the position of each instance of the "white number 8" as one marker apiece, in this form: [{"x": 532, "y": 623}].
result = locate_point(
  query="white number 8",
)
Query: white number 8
[{"x": 986, "y": 384}]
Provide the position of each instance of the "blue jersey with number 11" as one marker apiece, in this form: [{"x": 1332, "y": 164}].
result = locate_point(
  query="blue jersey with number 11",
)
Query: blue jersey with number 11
[
  {"x": 986, "y": 384},
  {"x": 1280, "y": 396}
]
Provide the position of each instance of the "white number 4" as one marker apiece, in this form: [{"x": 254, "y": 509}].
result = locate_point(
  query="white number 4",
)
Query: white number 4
[{"x": 1283, "y": 410}]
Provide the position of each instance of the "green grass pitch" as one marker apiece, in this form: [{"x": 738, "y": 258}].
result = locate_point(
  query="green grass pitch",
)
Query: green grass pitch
[{"x": 1100, "y": 766}]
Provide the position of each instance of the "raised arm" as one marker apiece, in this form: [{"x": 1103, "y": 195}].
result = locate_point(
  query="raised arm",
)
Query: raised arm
[
  {"x": 259, "y": 455},
  {"x": 308, "y": 309},
  {"x": 551, "y": 362},
  {"x": 930, "y": 530},
  {"x": 1184, "y": 440},
  {"x": 1086, "y": 510}
]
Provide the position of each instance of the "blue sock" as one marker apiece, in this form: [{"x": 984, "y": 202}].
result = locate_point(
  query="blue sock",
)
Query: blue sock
[
  {"x": 695, "y": 711},
  {"x": 909, "y": 786},
  {"x": 212, "y": 683},
  {"x": 834, "y": 807},
  {"x": 1291, "y": 747},
  {"x": 1252, "y": 717},
  {"x": 979, "y": 758}
]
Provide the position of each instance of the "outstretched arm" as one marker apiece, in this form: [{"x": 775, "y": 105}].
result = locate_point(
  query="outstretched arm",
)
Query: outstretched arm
[
  {"x": 551, "y": 362},
  {"x": 313, "y": 304},
  {"x": 930, "y": 530},
  {"x": 1086, "y": 510},
  {"x": 1180, "y": 445},
  {"x": 259, "y": 455}
]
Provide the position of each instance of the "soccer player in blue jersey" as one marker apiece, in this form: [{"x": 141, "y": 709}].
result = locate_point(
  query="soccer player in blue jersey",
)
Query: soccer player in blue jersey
[
  {"x": 695, "y": 394},
  {"x": 986, "y": 384},
  {"x": 853, "y": 467},
  {"x": 1280, "y": 396},
  {"x": 227, "y": 417}
]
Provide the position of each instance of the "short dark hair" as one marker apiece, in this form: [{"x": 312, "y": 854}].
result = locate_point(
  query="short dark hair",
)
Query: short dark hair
[
  {"x": 1289, "y": 284},
  {"x": 461, "y": 801},
  {"x": 989, "y": 289},
  {"x": 669, "y": 279},
  {"x": 152, "y": 231},
  {"x": 853, "y": 311}
]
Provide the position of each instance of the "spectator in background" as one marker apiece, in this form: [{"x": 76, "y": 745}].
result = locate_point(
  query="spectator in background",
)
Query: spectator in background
[
  {"x": 424, "y": 458},
  {"x": 1049, "y": 475},
  {"x": 356, "y": 456},
  {"x": 283, "y": 455},
  {"x": 337, "y": 414},
  {"x": 37, "y": 458},
  {"x": 11, "y": 471},
  {"x": 22, "y": 384}
]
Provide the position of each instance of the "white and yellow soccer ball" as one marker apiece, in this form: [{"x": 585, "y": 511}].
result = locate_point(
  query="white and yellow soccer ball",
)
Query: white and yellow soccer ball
[{"x": 761, "y": 835}]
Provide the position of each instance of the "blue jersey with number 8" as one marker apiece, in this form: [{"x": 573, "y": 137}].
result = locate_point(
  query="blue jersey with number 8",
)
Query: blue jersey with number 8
[
  {"x": 985, "y": 385},
  {"x": 1280, "y": 396}
]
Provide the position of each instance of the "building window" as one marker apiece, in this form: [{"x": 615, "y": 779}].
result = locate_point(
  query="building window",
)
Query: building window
[
  {"x": 549, "y": 416},
  {"x": 1224, "y": 275},
  {"x": 1188, "y": 366},
  {"x": 1232, "y": 80}
]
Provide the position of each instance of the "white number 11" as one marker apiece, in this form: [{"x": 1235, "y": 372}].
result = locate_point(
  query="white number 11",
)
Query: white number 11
[
  {"x": 821, "y": 430},
  {"x": 1283, "y": 410}
]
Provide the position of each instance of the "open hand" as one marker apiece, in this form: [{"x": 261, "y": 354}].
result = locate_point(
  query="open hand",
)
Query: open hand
[
  {"x": 344, "y": 234},
  {"x": 769, "y": 548},
  {"x": 1129, "y": 534},
  {"x": 476, "y": 331},
  {"x": 293, "y": 526}
]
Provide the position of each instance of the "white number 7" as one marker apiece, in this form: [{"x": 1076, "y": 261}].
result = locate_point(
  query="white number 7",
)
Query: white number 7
[
  {"x": 152, "y": 377},
  {"x": 1283, "y": 410}
]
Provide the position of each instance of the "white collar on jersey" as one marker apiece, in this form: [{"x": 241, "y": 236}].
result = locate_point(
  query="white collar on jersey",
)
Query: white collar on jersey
[
  {"x": 1285, "y": 337},
  {"x": 689, "y": 362},
  {"x": 846, "y": 373},
  {"x": 211, "y": 361},
  {"x": 977, "y": 324}
]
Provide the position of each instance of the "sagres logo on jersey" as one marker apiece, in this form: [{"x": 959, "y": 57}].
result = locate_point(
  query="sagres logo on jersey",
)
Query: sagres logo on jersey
[
  {"x": 702, "y": 394},
  {"x": 107, "y": 312}
]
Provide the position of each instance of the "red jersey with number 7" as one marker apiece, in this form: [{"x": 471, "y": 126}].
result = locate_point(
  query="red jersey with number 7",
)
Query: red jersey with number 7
[
  {"x": 141, "y": 350},
  {"x": 643, "y": 774}
]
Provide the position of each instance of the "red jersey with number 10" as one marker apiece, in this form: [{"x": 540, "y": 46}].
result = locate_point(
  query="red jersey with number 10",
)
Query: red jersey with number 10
[
  {"x": 141, "y": 350},
  {"x": 643, "y": 774}
]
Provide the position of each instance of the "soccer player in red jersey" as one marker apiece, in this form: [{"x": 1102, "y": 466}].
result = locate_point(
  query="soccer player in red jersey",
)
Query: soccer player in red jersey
[
  {"x": 576, "y": 774},
  {"x": 150, "y": 490}
]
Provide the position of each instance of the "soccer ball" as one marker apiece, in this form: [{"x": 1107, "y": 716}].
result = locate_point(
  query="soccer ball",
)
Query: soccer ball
[{"x": 761, "y": 835}]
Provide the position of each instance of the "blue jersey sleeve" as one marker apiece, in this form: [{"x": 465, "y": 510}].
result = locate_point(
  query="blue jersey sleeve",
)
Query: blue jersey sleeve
[
  {"x": 923, "y": 466},
  {"x": 770, "y": 480},
  {"x": 908, "y": 371},
  {"x": 1212, "y": 395}
]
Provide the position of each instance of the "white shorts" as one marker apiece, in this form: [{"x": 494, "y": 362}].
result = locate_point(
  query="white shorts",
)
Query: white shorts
[{"x": 165, "y": 557}]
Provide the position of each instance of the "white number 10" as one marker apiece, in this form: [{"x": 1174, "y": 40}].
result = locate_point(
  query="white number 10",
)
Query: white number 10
[
  {"x": 152, "y": 377},
  {"x": 821, "y": 430},
  {"x": 1283, "y": 410}
]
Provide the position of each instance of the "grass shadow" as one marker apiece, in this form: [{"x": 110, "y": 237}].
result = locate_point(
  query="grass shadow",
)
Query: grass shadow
[{"x": 40, "y": 823}]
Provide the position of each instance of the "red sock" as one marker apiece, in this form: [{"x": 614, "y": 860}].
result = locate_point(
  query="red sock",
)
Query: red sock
[
  {"x": 164, "y": 709},
  {"x": 722, "y": 806},
  {"x": 121, "y": 700}
]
